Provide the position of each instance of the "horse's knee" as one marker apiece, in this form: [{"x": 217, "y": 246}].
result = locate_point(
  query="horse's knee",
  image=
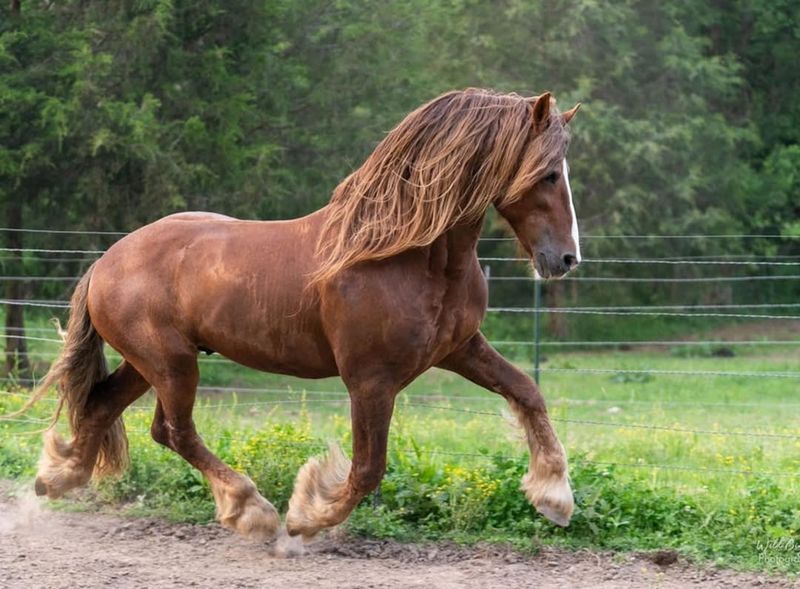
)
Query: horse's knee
[{"x": 530, "y": 403}]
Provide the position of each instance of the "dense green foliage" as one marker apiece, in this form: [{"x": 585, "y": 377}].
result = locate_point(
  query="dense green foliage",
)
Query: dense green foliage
[{"x": 136, "y": 109}]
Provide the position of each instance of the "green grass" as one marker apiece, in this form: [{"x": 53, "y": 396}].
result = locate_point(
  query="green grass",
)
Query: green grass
[{"x": 455, "y": 462}]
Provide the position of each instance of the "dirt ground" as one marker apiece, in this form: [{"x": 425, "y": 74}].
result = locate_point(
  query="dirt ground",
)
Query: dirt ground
[
  {"x": 45, "y": 549},
  {"x": 755, "y": 330}
]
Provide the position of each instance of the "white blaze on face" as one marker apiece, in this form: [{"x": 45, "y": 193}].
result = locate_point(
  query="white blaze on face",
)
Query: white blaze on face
[{"x": 575, "y": 236}]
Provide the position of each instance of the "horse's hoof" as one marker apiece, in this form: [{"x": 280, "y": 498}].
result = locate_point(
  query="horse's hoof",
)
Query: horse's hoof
[
  {"x": 551, "y": 496},
  {"x": 39, "y": 487},
  {"x": 557, "y": 517},
  {"x": 306, "y": 531},
  {"x": 241, "y": 508},
  {"x": 51, "y": 491},
  {"x": 259, "y": 520}
]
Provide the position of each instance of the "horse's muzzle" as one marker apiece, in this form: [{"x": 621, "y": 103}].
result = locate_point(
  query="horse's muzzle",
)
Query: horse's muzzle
[{"x": 549, "y": 265}]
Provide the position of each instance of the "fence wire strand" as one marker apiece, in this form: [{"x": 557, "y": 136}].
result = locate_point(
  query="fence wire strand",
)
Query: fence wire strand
[
  {"x": 646, "y": 279},
  {"x": 407, "y": 401},
  {"x": 587, "y": 236},
  {"x": 489, "y": 455},
  {"x": 619, "y": 311},
  {"x": 312, "y": 396},
  {"x": 663, "y": 261}
]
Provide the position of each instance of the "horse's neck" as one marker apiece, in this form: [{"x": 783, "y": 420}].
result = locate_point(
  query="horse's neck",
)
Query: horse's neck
[
  {"x": 458, "y": 247},
  {"x": 455, "y": 250}
]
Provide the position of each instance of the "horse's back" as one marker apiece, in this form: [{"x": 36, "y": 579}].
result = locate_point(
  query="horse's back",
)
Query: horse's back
[{"x": 197, "y": 216}]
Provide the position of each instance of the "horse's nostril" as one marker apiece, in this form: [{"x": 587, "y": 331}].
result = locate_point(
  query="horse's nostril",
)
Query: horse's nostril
[{"x": 570, "y": 261}]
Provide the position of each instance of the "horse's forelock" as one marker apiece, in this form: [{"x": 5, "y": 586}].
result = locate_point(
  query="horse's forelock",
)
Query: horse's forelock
[
  {"x": 442, "y": 165},
  {"x": 543, "y": 154}
]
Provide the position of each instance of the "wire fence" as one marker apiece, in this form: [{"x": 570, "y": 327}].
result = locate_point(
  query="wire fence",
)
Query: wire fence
[
  {"x": 653, "y": 279},
  {"x": 420, "y": 401},
  {"x": 569, "y": 369},
  {"x": 42, "y": 424},
  {"x": 311, "y": 395},
  {"x": 669, "y": 260},
  {"x": 432, "y": 402},
  {"x": 679, "y": 262},
  {"x": 599, "y": 236},
  {"x": 662, "y": 311},
  {"x": 420, "y": 452},
  {"x": 501, "y": 343}
]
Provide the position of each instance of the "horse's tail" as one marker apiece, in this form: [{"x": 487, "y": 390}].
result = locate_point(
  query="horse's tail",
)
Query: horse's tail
[{"x": 80, "y": 366}]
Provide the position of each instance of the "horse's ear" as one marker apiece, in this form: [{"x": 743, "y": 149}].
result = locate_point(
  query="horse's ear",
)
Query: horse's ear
[
  {"x": 541, "y": 112},
  {"x": 567, "y": 115}
]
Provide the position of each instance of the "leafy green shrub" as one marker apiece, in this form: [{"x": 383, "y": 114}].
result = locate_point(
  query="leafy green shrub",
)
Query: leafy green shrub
[
  {"x": 161, "y": 481},
  {"x": 272, "y": 457},
  {"x": 423, "y": 498}
]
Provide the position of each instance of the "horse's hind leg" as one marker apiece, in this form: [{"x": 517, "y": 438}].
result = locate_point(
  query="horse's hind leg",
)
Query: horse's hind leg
[
  {"x": 239, "y": 505},
  {"x": 63, "y": 465}
]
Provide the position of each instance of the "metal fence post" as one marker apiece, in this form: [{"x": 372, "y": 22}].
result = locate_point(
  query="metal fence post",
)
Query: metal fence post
[{"x": 537, "y": 304}]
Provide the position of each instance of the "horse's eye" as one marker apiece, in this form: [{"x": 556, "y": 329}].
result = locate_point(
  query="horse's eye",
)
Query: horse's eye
[{"x": 552, "y": 178}]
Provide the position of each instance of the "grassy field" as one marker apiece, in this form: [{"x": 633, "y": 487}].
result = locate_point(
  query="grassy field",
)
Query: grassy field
[{"x": 703, "y": 463}]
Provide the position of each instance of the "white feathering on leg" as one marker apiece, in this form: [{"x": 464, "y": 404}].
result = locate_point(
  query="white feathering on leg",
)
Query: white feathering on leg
[
  {"x": 320, "y": 484},
  {"x": 546, "y": 484},
  {"x": 240, "y": 507},
  {"x": 58, "y": 472}
]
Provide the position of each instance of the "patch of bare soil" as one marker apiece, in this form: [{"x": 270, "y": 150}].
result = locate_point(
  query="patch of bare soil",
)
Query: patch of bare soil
[
  {"x": 45, "y": 549},
  {"x": 755, "y": 330}
]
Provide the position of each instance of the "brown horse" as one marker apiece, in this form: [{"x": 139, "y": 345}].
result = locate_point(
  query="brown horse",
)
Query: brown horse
[{"x": 378, "y": 286}]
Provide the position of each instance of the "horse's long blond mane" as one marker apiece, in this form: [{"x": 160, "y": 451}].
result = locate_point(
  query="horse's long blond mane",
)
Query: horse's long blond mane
[{"x": 443, "y": 165}]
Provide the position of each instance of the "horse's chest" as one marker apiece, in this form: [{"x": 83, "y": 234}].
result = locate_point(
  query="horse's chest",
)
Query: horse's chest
[{"x": 457, "y": 318}]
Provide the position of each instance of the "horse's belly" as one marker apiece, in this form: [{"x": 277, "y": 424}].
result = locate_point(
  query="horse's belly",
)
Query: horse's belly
[
  {"x": 266, "y": 333},
  {"x": 280, "y": 351}
]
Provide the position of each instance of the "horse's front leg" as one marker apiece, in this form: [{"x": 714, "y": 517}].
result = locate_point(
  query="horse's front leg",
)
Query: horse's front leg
[
  {"x": 546, "y": 484},
  {"x": 326, "y": 491}
]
